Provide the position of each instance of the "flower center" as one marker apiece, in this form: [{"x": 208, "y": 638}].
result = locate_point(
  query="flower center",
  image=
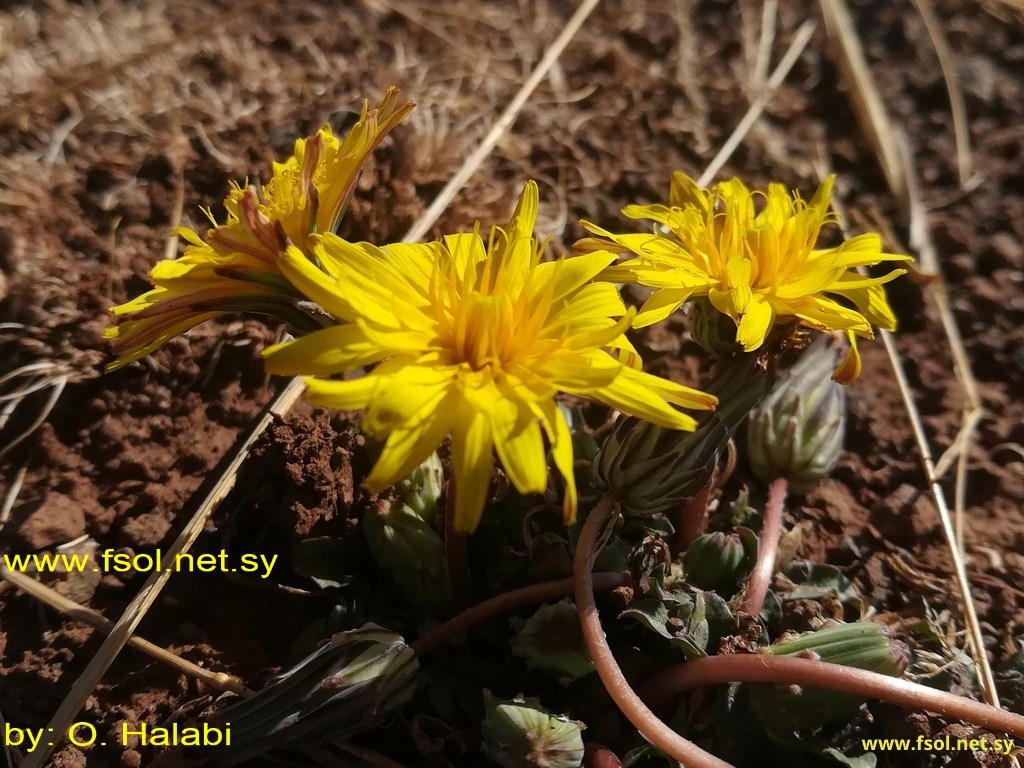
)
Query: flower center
[{"x": 485, "y": 331}]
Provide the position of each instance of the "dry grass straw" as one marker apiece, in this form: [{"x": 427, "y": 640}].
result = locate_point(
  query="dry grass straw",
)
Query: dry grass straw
[
  {"x": 96, "y": 75},
  {"x": 34, "y": 377},
  {"x": 501, "y": 125},
  {"x": 969, "y": 610},
  {"x": 143, "y": 601},
  {"x": 217, "y": 680},
  {"x": 796, "y": 47},
  {"x": 956, "y": 97},
  {"x": 959, "y": 450},
  {"x": 121, "y": 632},
  {"x": 867, "y": 103},
  {"x": 894, "y": 155}
]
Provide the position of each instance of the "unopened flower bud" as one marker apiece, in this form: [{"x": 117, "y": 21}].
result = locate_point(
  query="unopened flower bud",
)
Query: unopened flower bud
[
  {"x": 713, "y": 330},
  {"x": 356, "y": 681},
  {"x": 521, "y": 735},
  {"x": 797, "y": 432},
  {"x": 717, "y": 561},
  {"x": 652, "y": 469},
  {"x": 408, "y": 548},
  {"x": 552, "y": 640},
  {"x": 421, "y": 490},
  {"x": 863, "y": 645},
  {"x": 399, "y": 531}
]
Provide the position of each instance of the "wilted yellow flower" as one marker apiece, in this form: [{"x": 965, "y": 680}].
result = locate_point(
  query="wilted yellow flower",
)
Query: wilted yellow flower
[
  {"x": 234, "y": 268},
  {"x": 472, "y": 340},
  {"x": 758, "y": 267}
]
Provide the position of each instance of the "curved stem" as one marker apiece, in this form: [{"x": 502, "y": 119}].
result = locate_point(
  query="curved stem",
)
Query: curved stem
[
  {"x": 771, "y": 530},
  {"x": 509, "y": 601},
  {"x": 765, "y": 668},
  {"x": 645, "y": 721}
]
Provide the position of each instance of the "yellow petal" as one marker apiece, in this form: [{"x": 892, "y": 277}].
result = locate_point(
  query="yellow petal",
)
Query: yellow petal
[
  {"x": 409, "y": 445},
  {"x": 864, "y": 251},
  {"x": 371, "y": 285},
  {"x": 660, "y": 305},
  {"x": 869, "y": 297},
  {"x": 518, "y": 440},
  {"x": 524, "y": 218},
  {"x": 685, "y": 192},
  {"x": 472, "y": 445},
  {"x": 412, "y": 392},
  {"x": 322, "y": 353},
  {"x": 676, "y": 394},
  {"x": 812, "y": 281},
  {"x": 145, "y": 336},
  {"x": 580, "y": 371},
  {"x": 825, "y": 314},
  {"x": 597, "y": 301},
  {"x": 757, "y": 320},
  {"x": 631, "y": 392},
  {"x": 415, "y": 260},
  {"x": 467, "y": 250},
  {"x": 314, "y": 284},
  {"x": 351, "y": 395},
  {"x": 849, "y": 369},
  {"x": 732, "y": 302},
  {"x": 562, "y": 452},
  {"x": 570, "y": 274}
]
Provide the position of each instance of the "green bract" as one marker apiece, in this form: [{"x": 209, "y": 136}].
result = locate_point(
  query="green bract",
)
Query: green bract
[
  {"x": 797, "y": 432},
  {"x": 521, "y": 735}
]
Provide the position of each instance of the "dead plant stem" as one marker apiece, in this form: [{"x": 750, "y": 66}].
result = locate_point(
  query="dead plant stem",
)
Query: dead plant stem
[
  {"x": 125, "y": 626},
  {"x": 645, "y": 721},
  {"x": 501, "y": 126},
  {"x": 71, "y": 609},
  {"x": 800, "y": 40},
  {"x": 986, "y": 680}
]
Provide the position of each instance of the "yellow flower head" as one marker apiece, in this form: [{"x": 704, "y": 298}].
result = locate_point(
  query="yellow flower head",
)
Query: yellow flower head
[
  {"x": 474, "y": 340},
  {"x": 758, "y": 267},
  {"x": 234, "y": 268}
]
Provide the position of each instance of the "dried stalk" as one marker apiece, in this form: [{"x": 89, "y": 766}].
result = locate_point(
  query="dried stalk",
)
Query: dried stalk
[
  {"x": 961, "y": 130},
  {"x": 867, "y": 103},
  {"x": 973, "y": 626},
  {"x": 501, "y": 126},
  {"x": 217, "y": 680},
  {"x": 800, "y": 40}
]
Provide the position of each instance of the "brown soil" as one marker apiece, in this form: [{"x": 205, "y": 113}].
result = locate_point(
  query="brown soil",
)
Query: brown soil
[{"x": 110, "y": 112}]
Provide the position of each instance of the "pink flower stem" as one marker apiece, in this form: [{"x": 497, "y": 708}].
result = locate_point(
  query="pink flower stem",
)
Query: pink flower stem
[
  {"x": 456, "y": 552},
  {"x": 768, "y": 547},
  {"x": 792, "y": 670},
  {"x": 645, "y": 721},
  {"x": 694, "y": 518},
  {"x": 510, "y": 601}
]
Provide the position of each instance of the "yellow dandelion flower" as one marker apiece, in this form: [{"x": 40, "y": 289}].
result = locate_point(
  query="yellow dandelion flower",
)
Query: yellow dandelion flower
[
  {"x": 758, "y": 267},
  {"x": 472, "y": 340},
  {"x": 234, "y": 268}
]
